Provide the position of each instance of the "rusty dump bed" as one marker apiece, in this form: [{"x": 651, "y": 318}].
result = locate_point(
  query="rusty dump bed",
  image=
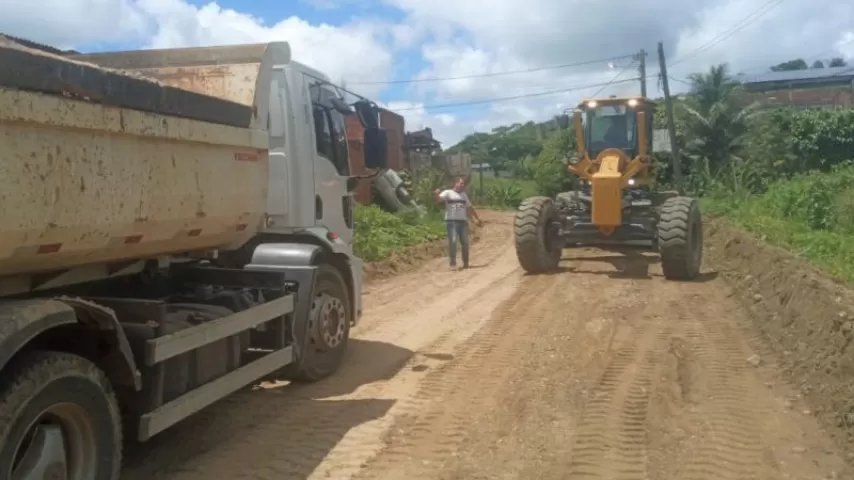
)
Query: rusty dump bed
[
  {"x": 37, "y": 71},
  {"x": 98, "y": 169}
]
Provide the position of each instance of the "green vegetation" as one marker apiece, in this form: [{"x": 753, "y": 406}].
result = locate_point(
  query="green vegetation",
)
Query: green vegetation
[
  {"x": 782, "y": 174},
  {"x": 810, "y": 214},
  {"x": 501, "y": 193},
  {"x": 380, "y": 233}
]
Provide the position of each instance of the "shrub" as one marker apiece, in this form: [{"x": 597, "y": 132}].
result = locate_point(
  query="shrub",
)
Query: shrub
[{"x": 380, "y": 233}]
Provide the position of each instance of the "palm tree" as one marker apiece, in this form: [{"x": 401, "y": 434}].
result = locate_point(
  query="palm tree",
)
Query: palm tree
[{"x": 716, "y": 126}]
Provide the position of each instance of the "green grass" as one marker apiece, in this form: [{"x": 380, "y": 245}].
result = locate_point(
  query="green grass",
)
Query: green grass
[
  {"x": 810, "y": 216},
  {"x": 501, "y": 193},
  {"x": 380, "y": 234}
]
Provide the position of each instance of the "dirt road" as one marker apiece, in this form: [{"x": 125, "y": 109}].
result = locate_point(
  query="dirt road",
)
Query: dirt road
[{"x": 603, "y": 370}]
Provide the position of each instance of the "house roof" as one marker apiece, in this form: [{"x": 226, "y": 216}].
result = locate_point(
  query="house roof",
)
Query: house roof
[{"x": 810, "y": 76}]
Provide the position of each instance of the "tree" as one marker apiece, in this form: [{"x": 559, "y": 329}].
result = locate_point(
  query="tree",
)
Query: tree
[
  {"x": 712, "y": 87},
  {"x": 504, "y": 147},
  {"x": 837, "y": 62},
  {"x": 716, "y": 126},
  {"x": 550, "y": 173},
  {"x": 796, "y": 64},
  {"x": 817, "y": 64}
]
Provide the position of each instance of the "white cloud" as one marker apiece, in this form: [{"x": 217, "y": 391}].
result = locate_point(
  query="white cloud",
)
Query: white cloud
[
  {"x": 458, "y": 38},
  {"x": 510, "y": 36},
  {"x": 69, "y": 23},
  {"x": 355, "y": 51}
]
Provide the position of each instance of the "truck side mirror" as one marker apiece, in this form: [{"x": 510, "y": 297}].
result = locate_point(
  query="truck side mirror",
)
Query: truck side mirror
[
  {"x": 376, "y": 148},
  {"x": 562, "y": 121},
  {"x": 341, "y": 106}
]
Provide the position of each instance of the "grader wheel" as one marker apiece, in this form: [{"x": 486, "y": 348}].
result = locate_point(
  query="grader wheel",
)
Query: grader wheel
[
  {"x": 537, "y": 250},
  {"x": 680, "y": 238}
]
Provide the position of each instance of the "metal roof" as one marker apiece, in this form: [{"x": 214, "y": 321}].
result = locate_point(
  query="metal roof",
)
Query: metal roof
[{"x": 812, "y": 75}]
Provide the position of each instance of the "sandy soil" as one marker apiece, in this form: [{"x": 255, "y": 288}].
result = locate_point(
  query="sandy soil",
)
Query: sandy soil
[{"x": 603, "y": 370}]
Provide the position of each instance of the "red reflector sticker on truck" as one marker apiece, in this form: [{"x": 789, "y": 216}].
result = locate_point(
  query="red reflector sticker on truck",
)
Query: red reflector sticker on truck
[
  {"x": 49, "y": 248},
  {"x": 246, "y": 156}
]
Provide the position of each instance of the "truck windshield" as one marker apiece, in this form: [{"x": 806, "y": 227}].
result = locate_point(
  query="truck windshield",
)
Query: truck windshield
[{"x": 610, "y": 126}]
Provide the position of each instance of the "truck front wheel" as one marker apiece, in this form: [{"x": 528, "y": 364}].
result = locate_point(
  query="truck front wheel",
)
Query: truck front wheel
[
  {"x": 58, "y": 419},
  {"x": 328, "y": 329}
]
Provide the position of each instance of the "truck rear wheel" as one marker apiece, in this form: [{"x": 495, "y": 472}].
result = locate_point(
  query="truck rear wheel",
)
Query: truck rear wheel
[
  {"x": 328, "y": 329},
  {"x": 680, "y": 238},
  {"x": 58, "y": 419},
  {"x": 537, "y": 247}
]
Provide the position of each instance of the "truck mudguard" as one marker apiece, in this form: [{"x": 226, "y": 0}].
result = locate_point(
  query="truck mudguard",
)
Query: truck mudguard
[{"x": 23, "y": 320}]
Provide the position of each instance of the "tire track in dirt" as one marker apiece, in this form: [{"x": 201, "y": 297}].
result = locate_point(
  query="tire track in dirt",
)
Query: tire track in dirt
[
  {"x": 610, "y": 440},
  {"x": 330, "y": 429},
  {"x": 485, "y": 361},
  {"x": 481, "y": 373},
  {"x": 716, "y": 378}
]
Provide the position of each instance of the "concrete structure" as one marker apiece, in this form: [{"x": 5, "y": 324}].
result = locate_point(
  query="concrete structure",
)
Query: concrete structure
[{"x": 813, "y": 88}]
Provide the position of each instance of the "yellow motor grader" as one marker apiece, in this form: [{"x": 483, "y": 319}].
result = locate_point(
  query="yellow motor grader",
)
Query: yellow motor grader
[{"x": 616, "y": 202}]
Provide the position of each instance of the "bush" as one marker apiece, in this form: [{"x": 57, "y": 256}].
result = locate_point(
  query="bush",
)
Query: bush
[
  {"x": 501, "y": 193},
  {"x": 819, "y": 201},
  {"x": 810, "y": 214},
  {"x": 550, "y": 173},
  {"x": 380, "y": 233}
]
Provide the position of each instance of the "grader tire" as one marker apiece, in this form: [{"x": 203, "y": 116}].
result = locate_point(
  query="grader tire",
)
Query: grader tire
[
  {"x": 680, "y": 238},
  {"x": 537, "y": 253}
]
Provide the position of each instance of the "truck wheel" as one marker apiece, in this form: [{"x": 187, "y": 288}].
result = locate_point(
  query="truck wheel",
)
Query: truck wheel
[
  {"x": 537, "y": 247},
  {"x": 58, "y": 419},
  {"x": 328, "y": 329},
  {"x": 680, "y": 238}
]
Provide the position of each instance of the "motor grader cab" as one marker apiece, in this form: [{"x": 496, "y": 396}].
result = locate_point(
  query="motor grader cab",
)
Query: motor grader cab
[
  {"x": 616, "y": 202},
  {"x": 614, "y": 146}
]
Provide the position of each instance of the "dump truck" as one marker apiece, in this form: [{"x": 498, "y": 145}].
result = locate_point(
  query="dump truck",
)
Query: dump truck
[{"x": 174, "y": 225}]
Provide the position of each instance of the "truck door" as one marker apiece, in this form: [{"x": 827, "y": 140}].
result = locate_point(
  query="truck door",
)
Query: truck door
[{"x": 332, "y": 168}]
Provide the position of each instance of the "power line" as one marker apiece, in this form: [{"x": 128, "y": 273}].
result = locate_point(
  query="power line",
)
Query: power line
[
  {"x": 514, "y": 97},
  {"x": 624, "y": 70},
  {"x": 494, "y": 74},
  {"x": 752, "y": 17}
]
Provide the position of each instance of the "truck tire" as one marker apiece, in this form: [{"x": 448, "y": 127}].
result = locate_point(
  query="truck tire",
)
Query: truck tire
[
  {"x": 58, "y": 419},
  {"x": 328, "y": 329},
  {"x": 680, "y": 238},
  {"x": 536, "y": 250}
]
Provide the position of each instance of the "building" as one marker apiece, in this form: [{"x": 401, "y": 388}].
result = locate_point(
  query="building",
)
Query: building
[
  {"x": 814, "y": 88},
  {"x": 395, "y": 129}
]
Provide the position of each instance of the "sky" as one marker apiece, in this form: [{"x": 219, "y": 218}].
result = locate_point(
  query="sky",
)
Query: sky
[{"x": 464, "y": 66}]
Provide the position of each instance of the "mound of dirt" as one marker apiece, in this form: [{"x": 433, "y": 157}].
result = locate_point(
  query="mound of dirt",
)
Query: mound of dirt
[
  {"x": 411, "y": 258},
  {"x": 805, "y": 316}
]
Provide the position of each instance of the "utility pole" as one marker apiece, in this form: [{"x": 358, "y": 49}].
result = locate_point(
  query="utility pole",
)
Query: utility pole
[
  {"x": 642, "y": 71},
  {"x": 671, "y": 124}
]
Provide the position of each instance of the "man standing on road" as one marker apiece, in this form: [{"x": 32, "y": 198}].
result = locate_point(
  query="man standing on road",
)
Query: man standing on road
[{"x": 457, "y": 211}]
